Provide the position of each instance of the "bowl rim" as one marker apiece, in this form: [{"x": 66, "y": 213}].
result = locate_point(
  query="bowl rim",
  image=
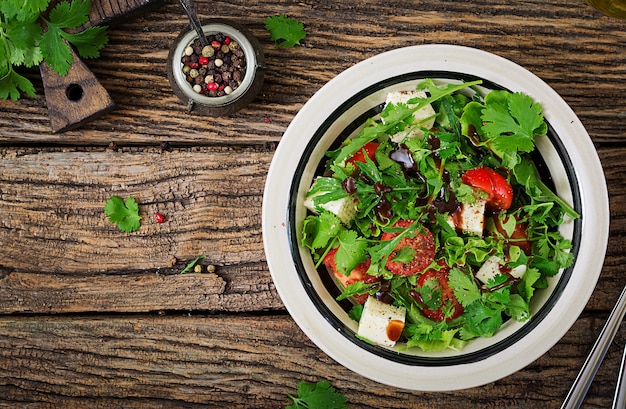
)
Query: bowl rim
[{"x": 434, "y": 374}]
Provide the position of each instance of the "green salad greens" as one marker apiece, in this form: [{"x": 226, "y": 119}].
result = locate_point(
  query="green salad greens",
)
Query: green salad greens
[{"x": 436, "y": 207}]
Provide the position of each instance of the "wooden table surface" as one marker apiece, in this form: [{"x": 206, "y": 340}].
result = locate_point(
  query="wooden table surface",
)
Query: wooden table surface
[{"x": 92, "y": 317}]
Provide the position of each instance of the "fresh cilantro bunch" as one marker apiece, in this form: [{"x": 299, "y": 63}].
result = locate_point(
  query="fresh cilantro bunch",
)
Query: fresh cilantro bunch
[
  {"x": 287, "y": 30},
  {"x": 123, "y": 213},
  {"x": 30, "y": 35},
  {"x": 318, "y": 395}
]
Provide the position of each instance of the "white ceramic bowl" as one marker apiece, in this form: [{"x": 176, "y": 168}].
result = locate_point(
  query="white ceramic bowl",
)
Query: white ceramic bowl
[{"x": 336, "y": 111}]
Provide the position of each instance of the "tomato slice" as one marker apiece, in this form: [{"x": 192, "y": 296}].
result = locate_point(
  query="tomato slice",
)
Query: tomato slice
[
  {"x": 499, "y": 191},
  {"x": 368, "y": 149},
  {"x": 359, "y": 273},
  {"x": 421, "y": 247},
  {"x": 437, "y": 280}
]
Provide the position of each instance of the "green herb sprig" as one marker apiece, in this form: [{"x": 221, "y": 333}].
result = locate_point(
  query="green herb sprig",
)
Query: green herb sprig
[
  {"x": 288, "y": 32},
  {"x": 317, "y": 395},
  {"x": 123, "y": 213},
  {"x": 29, "y": 36}
]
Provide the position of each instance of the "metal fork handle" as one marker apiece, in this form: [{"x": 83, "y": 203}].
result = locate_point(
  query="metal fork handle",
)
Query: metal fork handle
[
  {"x": 588, "y": 371},
  {"x": 619, "y": 399}
]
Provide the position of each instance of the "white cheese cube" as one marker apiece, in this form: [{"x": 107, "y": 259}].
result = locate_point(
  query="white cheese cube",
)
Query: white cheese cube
[
  {"x": 424, "y": 117},
  {"x": 344, "y": 208},
  {"x": 381, "y": 323},
  {"x": 470, "y": 218},
  {"x": 518, "y": 272},
  {"x": 491, "y": 268}
]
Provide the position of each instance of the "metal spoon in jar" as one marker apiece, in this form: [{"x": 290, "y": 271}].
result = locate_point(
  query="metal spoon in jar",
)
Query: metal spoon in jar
[
  {"x": 188, "y": 6},
  {"x": 581, "y": 385}
]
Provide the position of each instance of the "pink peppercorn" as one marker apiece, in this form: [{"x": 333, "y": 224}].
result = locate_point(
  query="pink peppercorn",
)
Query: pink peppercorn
[
  {"x": 203, "y": 60},
  {"x": 211, "y": 86},
  {"x": 159, "y": 218},
  {"x": 227, "y": 40}
]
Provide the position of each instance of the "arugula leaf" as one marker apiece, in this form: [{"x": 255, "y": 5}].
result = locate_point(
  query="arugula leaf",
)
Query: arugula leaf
[
  {"x": 318, "y": 395},
  {"x": 526, "y": 174},
  {"x": 123, "y": 213},
  {"x": 289, "y": 30}
]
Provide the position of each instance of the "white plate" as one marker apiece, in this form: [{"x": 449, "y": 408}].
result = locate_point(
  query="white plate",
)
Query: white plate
[{"x": 341, "y": 105}]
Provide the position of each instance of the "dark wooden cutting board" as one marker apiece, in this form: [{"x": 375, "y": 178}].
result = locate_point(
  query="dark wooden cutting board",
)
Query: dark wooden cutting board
[{"x": 78, "y": 97}]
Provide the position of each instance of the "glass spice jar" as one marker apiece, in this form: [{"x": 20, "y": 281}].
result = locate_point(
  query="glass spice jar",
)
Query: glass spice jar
[{"x": 221, "y": 78}]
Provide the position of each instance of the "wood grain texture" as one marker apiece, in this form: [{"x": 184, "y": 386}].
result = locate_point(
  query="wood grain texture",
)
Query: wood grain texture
[
  {"x": 244, "y": 361},
  {"x": 577, "y": 51}
]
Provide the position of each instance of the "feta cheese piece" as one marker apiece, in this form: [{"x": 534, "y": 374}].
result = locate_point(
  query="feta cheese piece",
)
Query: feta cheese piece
[
  {"x": 491, "y": 268},
  {"x": 470, "y": 218},
  {"x": 381, "y": 323},
  {"x": 424, "y": 117},
  {"x": 344, "y": 208}
]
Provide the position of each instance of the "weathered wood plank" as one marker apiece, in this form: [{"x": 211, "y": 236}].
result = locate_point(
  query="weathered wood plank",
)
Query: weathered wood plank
[
  {"x": 241, "y": 361},
  {"x": 545, "y": 37},
  {"x": 55, "y": 234}
]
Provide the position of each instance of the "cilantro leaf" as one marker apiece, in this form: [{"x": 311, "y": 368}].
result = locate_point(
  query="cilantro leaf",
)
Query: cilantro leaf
[
  {"x": 465, "y": 289},
  {"x": 318, "y": 231},
  {"x": 56, "y": 52},
  {"x": 123, "y": 213},
  {"x": 11, "y": 84},
  {"x": 30, "y": 35},
  {"x": 318, "y": 395},
  {"x": 289, "y": 30},
  {"x": 70, "y": 15},
  {"x": 351, "y": 251},
  {"x": 29, "y": 6},
  {"x": 54, "y": 47}
]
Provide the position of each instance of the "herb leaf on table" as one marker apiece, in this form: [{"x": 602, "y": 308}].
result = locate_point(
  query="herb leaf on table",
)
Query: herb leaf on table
[
  {"x": 287, "y": 30},
  {"x": 125, "y": 214},
  {"x": 318, "y": 395}
]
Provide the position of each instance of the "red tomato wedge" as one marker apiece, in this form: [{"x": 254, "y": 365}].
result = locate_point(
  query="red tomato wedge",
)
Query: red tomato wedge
[
  {"x": 423, "y": 246},
  {"x": 440, "y": 278},
  {"x": 499, "y": 191},
  {"x": 368, "y": 149},
  {"x": 359, "y": 273}
]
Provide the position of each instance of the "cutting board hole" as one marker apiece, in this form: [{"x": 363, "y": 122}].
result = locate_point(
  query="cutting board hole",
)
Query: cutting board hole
[{"x": 74, "y": 92}]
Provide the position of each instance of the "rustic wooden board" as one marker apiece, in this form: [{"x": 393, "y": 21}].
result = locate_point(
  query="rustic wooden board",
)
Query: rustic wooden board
[
  {"x": 544, "y": 37},
  {"x": 207, "y": 361}
]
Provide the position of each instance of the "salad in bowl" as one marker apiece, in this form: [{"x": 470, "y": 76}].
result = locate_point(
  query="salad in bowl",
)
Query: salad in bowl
[
  {"x": 434, "y": 219},
  {"x": 435, "y": 210}
]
